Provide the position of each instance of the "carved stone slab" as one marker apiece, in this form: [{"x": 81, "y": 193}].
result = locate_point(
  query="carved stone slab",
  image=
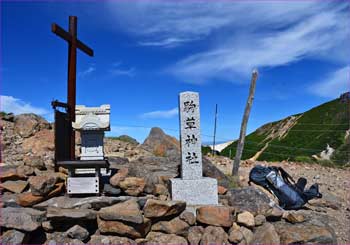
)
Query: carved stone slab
[
  {"x": 82, "y": 185},
  {"x": 190, "y": 136}
]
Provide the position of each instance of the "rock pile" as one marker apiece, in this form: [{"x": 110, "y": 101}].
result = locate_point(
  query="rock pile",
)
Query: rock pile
[
  {"x": 149, "y": 220},
  {"x": 27, "y": 139},
  {"x": 136, "y": 208}
]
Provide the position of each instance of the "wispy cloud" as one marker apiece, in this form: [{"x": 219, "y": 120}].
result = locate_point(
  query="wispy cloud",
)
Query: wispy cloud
[
  {"x": 168, "y": 42},
  {"x": 239, "y": 36},
  {"x": 17, "y": 106},
  {"x": 160, "y": 114},
  {"x": 118, "y": 70},
  {"x": 333, "y": 84},
  {"x": 87, "y": 71}
]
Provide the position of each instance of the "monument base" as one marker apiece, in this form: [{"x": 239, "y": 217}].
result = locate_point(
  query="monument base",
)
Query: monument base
[{"x": 202, "y": 191}]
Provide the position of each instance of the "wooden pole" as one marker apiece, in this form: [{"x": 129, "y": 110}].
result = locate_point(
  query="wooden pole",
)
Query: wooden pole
[
  {"x": 240, "y": 143},
  {"x": 71, "y": 93},
  {"x": 216, "y": 115}
]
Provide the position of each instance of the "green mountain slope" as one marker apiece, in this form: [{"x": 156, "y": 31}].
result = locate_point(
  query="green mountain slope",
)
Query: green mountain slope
[{"x": 302, "y": 137}]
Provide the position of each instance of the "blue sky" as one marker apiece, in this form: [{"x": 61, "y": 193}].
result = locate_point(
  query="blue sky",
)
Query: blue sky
[{"x": 147, "y": 52}]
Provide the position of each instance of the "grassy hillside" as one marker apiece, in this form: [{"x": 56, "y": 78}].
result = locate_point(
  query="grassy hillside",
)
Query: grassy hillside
[{"x": 299, "y": 137}]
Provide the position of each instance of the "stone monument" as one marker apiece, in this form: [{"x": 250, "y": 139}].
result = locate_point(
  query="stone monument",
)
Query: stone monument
[
  {"x": 192, "y": 187},
  {"x": 91, "y": 122}
]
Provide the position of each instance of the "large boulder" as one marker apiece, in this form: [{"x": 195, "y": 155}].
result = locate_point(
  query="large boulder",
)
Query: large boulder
[
  {"x": 249, "y": 199},
  {"x": 215, "y": 215},
  {"x": 161, "y": 144},
  {"x": 128, "y": 211},
  {"x": 314, "y": 229},
  {"x": 163, "y": 209},
  {"x": 24, "y": 219},
  {"x": 27, "y": 125}
]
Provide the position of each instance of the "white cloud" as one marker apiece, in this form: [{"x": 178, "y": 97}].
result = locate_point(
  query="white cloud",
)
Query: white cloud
[
  {"x": 117, "y": 70},
  {"x": 168, "y": 42},
  {"x": 333, "y": 84},
  {"x": 17, "y": 106},
  {"x": 239, "y": 36},
  {"x": 161, "y": 114},
  {"x": 87, "y": 71}
]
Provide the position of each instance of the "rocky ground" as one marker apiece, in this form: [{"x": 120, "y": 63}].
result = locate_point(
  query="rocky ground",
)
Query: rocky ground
[
  {"x": 334, "y": 184},
  {"x": 135, "y": 207}
]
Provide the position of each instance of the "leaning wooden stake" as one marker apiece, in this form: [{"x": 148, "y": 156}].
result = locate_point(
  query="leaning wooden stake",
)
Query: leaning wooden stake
[{"x": 240, "y": 143}]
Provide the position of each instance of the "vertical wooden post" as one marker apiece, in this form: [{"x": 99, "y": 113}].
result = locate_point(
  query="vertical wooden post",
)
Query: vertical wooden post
[
  {"x": 72, "y": 62},
  {"x": 240, "y": 143},
  {"x": 216, "y": 115}
]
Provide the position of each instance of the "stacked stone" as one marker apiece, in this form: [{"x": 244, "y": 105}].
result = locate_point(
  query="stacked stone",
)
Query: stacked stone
[{"x": 149, "y": 220}]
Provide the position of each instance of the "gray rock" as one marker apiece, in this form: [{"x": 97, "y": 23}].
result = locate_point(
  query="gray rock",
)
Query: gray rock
[
  {"x": 13, "y": 237},
  {"x": 248, "y": 199},
  {"x": 26, "y": 219},
  {"x": 110, "y": 190},
  {"x": 9, "y": 200},
  {"x": 314, "y": 230},
  {"x": 78, "y": 232},
  {"x": 76, "y": 202}
]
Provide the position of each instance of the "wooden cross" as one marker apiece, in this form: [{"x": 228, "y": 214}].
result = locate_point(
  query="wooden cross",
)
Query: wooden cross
[{"x": 74, "y": 43}]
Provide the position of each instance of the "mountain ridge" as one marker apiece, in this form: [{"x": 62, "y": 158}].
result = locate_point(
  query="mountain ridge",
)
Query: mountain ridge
[{"x": 320, "y": 134}]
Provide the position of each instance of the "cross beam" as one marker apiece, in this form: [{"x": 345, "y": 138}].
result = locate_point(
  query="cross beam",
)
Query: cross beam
[{"x": 73, "y": 44}]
